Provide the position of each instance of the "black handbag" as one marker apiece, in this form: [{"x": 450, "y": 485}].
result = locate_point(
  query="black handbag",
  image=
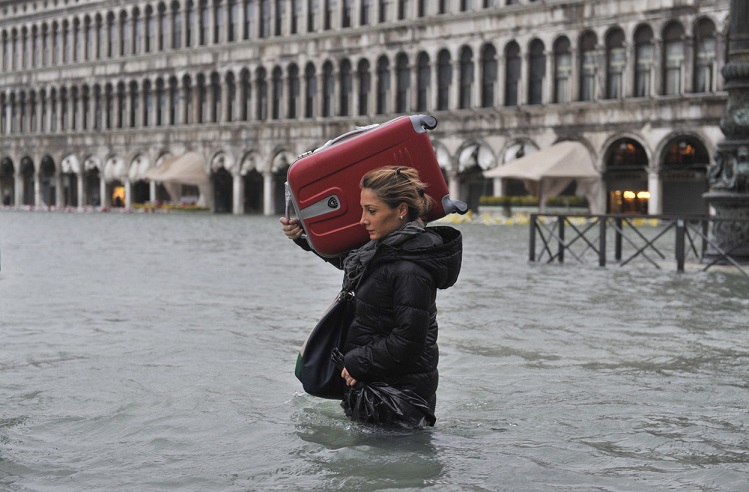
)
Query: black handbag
[{"x": 314, "y": 368}]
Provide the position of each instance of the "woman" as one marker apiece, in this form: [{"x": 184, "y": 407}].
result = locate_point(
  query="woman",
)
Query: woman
[{"x": 395, "y": 277}]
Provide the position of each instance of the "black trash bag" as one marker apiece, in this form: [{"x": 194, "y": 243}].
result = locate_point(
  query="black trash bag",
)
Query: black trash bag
[{"x": 380, "y": 403}]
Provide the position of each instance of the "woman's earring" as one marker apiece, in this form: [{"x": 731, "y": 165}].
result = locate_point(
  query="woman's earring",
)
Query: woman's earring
[{"x": 402, "y": 217}]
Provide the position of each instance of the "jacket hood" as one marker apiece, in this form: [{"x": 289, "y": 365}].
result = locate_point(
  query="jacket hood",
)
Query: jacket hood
[{"x": 439, "y": 250}]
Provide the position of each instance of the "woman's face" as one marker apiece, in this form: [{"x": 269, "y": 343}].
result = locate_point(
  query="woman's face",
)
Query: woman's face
[{"x": 377, "y": 217}]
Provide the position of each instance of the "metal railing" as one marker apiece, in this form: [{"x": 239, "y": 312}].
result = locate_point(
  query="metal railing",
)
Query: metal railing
[{"x": 626, "y": 238}]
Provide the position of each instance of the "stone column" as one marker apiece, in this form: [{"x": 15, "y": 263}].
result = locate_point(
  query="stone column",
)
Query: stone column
[
  {"x": 655, "y": 187},
  {"x": 729, "y": 176},
  {"x": 80, "y": 180},
  {"x": 268, "y": 197},
  {"x": 238, "y": 195}
]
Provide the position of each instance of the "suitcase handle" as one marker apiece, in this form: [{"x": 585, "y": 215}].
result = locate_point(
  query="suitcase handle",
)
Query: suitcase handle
[
  {"x": 289, "y": 206},
  {"x": 358, "y": 130}
]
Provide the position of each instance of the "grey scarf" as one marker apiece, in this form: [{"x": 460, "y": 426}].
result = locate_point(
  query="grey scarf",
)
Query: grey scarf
[{"x": 357, "y": 260}]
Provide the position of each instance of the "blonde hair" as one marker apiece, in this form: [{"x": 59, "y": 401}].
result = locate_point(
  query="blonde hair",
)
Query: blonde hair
[{"x": 399, "y": 184}]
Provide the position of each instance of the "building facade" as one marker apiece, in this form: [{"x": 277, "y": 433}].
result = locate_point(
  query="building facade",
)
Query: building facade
[{"x": 94, "y": 94}]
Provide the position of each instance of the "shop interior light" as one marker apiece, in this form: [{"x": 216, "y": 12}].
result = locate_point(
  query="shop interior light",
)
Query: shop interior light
[
  {"x": 643, "y": 195},
  {"x": 629, "y": 194}
]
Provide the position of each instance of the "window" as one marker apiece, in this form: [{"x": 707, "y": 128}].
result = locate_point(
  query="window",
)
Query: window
[
  {"x": 262, "y": 94},
  {"x": 365, "y": 86},
  {"x": 264, "y": 18},
  {"x": 588, "y": 66},
  {"x": 188, "y": 108},
  {"x": 423, "y": 78},
  {"x": 245, "y": 93},
  {"x": 328, "y": 14},
  {"x": 705, "y": 57},
  {"x": 173, "y": 100},
  {"x": 233, "y": 24},
  {"x": 512, "y": 82},
  {"x": 312, "y": 12},
  {"x": 296, "y": 15},
  {"x": 366, "y": 12},
  {"x": 231, "y": 94},
  {"x": 203, "y": 14},
  {"x": 216, "y": 98},
  {"x": 176, "y": 27},
  {"x": 488, "y": 75},
  {"x": 383, "y": 85},
  {"x": 98, "y": 116},
  {"x": 615, "y": 64},
  {"x": 160, "y": 102},
  {"x": 644, "y": 62},
  {"x": 280, "y": 14},
  {"x": 562, "y": 71},
  {"x": 537, "y": 72},
  {"x": 404, "y": 8},
  {"x": 444, "y": 79},
  {"x": 277, "y": 97},
  {"x": 328, "y": 86},
  {"x": 65, "y": 34},
  {"x": 310, "y": 89},
  {"x": 124, "y": 34},
  {"x": 219, "y": 20},
  {"x": 347, "y": 13},
  {"x": 202, "y": 100},
  {"x": 138, "y": 35},
  {"x": 403, "y": 83},
  {"x": 382, "y": 16},
  {"x": 466, "y": 78},
  {"x": 673, "y": 65},
  {"x": 147, "y": 103},
  {"x": 249, "y": 18},
  {"x": 190, "y": 23},
  {"x": 75, "y": 44},
  {"x": 111, "y": 36},
  {"x": 346, "y": 87},
  {"x": 133, "y": 104},
  {"x": 293, "y": 74}
]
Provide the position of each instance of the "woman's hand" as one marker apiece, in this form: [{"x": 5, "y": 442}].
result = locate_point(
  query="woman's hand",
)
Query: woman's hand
[
  {"x": 291, "y": 227},
  {"x": 349, "y": 380}
]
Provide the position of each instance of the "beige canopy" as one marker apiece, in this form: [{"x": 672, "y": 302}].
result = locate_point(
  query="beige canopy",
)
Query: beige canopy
[
  {"x": 548, "y": 172},
  {"x": 178, "y": 170}
]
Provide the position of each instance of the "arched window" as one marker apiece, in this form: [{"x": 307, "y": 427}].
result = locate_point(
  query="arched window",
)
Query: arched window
[
  {"x": 65, "y": 35},
  {"x": 261, "y": 85},
  {"x": 233, "y": 24},
  {"x": 328, "y": 85},
  {"x": 43, "y": 127},
  {"x": 98, "y": 113},
  {"x": 150, "y": 30},
  {"x": 219, "y": 20},
  {"x": 347, "y": 14},
  {"x": 404, "y": 8},
  {"x": 89, "y": 39},
  {"x": 190, "y": 16},
  {"x": 111, "y": 35},
  {"x": 216, "y": 94},
  {"x": 176, "y": 26},
  {"x": 512, "y": 76},
  {"x": 160, "y": 103},
  {"x": 163, "y": 28},
  {"x": 296, "y": 16},
  {"x": 310, "y": 85},
  {"x": 245, "y": 95},
  {"x": 705, "y": 54},
  {"x": 465, "y": 95},
  {"x": 121, "y": 102},
  {"x": 5, "y": 51},
  {"x": 108, "y": 110},
  {"x": 36, "y": 52},
  {"x": 383, "y": 85},
  {"x": 53, "y": 111},
  {"x": 125, "y": 40},
  {"x": 204, "y": 23},
  {"x": 313, "y": 7},
  {"x": 537, "y": 72},
  {"x": 327, "y": 14},
  {"x": 277, "y": 93},
  {"x": 562, "y": 70},
  {"x": 588, "y": 66},
  {"x": 134, "y": 106},
  {"x": 673, "y": 63},
  {"x": 47, "y": 43},
  {"x": 63, "y": 109},
  {"x": 365, "y": 14},
  {"x": 147, "y": 104},
  {"x": 188, "y": 108},
  {"x": 100, "y": 38},
  {"x": 293, "y": 81},
  {"x": 173, "y": 100},
  {"x": 402, "y": 83},
  {"x": 137, "y": 32},
  {"x": 347, "y": 87},
  {"x": 644, "y": 61},
  {"x": 22, "y": 113},
  {"x": 202, "y": 100},
  {"x": 75, "y": 44},
  {"x": 488, "y": 75},
  {"x": 249, "y": 19},
  {"x": 444, "y": 80},
  {"x": 423, "y": 79},
  {"x": 57, "y": 44},
  {"x": 264, "y": 19},
  {"x": 365, "y": 86},
  {"x": 382, "y": 14},
  {"x": 615, "y": 63},
  {"x": 231, "y": 94},
  {"x": 280, "y": 11},
  {"x": 85, "y": 108}
]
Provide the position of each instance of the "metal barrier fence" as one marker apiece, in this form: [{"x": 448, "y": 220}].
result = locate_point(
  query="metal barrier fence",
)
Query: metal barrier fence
[{"x": 626, "y": 238}]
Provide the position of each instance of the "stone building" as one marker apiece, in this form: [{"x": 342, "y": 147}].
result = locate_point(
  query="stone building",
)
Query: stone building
[{"x": 95, "y": 94}]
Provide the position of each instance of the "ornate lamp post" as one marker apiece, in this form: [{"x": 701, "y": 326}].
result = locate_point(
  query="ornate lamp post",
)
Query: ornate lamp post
[{"x": 729, "y": 177}]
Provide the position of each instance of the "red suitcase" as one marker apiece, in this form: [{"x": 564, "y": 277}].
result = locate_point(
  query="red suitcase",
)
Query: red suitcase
[{"x": 322, "y": 187}]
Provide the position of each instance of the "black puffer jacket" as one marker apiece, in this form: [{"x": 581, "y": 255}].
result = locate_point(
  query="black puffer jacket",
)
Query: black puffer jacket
[{"x": 393, "y": 337}]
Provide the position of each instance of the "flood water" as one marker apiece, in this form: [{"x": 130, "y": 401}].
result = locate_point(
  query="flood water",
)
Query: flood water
[{"x": 156, "y": 352}]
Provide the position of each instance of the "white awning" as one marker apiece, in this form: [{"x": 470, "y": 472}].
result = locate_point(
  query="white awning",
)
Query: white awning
[
  {"x": 547, "y": 173},
  {"x": 562, "y": 160},
  {"x": 184, "y": 169}
]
